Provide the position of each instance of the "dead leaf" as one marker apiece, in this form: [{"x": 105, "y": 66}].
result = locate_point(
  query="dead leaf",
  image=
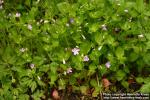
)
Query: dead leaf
[
  {"x": 106, "y": 83},
  {"x": 55, "y": 95}
]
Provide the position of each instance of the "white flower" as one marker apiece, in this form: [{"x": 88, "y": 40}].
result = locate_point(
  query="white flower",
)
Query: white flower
[
  {"x": 99, "y": 48},
  {"x": 9, "y": 14},
  {"x": 64, "y": 62},
  {"x": 118, "y": 15},
  {"x": 38, "y": 23},
  {"x": 18, "y": 14},
  {"x": 37, "y": 1},
  {"x": 1, "y": 7},
  {"x": 104, "y": 27},
  {"x": 118, "y": 4},
  {"x": 65, "y": 73},
  {"x": 141, "y": 36},
  {"x": 29, "y": 26},
  {"x": 23, "y": 49},
  {"x": 41, "y": 20},
  {"x": 67, "y": 24},
  {"x": 83, "y": 36},
  {"x": 71, "y": 20},
  {"x": 32, "y": 66},
  {"x": 46, "y": 21},
  {"x": 69, "y": 70},
  {"x": 39, "y": 78},
  {"x": 108, "y": 64},
  {"x": 126, "y": 11},
  {"x": 75, "y": 51},
  {"x": 86, "y": 58}
]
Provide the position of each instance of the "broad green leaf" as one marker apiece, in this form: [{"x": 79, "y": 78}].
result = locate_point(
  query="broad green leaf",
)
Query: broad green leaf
[
  {"x": 99, "y": 38},
  {"x": 53, "y": 77},
  {"x": 24, "y": 97},
  {"x": 63, "y": 7},
  {"x": 93, "y": 83},
  {"x": 96, "y": 14},
  {"x": 83, "y": 89},
  {"x": 93, "y": 27},
  {"x": 96, "y": 92},
  {"x": 120, "y": 74},
  {"x": 145, "y": 88},
  {"x": 139, "y": 79},
  {"x": 140, "y": 5},
  {"x": 133, "y": 56},
  {"x": 146, "y": 58},
  {"x": 61, "y": 83},
  {"x": 125, "y": 84},
  {"x": 102, "y": 69},
  {"x": 119, "y": 52}
]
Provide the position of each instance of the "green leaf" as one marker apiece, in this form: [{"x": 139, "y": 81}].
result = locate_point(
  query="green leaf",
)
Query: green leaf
[
  {"x": 93, "y": 83},
  {"x": 93, "y": 27},
  {"x": 96, "y": 92},
  {"x": 72, "y": 80},
  {"x": 133, "y": 56},
  {"x": 85, "y": 47},
  {"x": 96, "y": 14},
  {"x": 147, "y": 80},
  {"x": 102, "y": 69},
  {"x": 9, "y": 55},
  {"x": 33, "y": 86},
  {"x": 53, "y": 67},
  {"x": 120, "y": 75},
  {"x": 63, "y": 7},
  {"x": 61, "y": 83},
  {"x": 125, "y": 84},
  {"x": 53, "y": 77},
  {"x": 119, "y": 52},
  {"x": 139, "y": 79},
  {"x": 146, "y": 58},
  {"x": 23, "y": 97},
  {"x": 38, "y": 60},
  {"x": 109, "y": 39},
  {"x": 83, "y": 89},
  {"x": 126, "y": 26},
  {"x": 145, "y": 88},
  {"x": 37, "y": 95},
  {"x": 140, "y": 5},
  {"x": 99, "y": 38}
]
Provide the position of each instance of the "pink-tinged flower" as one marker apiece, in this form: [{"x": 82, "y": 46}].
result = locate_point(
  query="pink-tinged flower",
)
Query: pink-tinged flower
[
  {"x": 75, "y": 51},
  {"x": 18, "y": 14},
  {"x": 108, "y": 64},
  {"x": 86, "y": 58},
  {"x": 69, "y": 70},
  {"x": 1, "y": 2},
  {"x": 71, "y": 20},
  {"x": 32, "y": 66},
  {"x": 29, "y": 26}
]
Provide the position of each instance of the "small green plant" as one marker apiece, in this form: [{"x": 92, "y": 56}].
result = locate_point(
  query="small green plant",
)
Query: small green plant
[{"x": 61, "y": 44}]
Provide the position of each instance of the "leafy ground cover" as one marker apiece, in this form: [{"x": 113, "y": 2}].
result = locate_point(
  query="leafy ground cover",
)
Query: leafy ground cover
[{"x": 73, "y": 49}]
